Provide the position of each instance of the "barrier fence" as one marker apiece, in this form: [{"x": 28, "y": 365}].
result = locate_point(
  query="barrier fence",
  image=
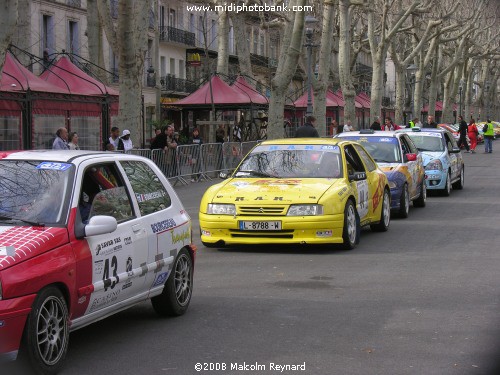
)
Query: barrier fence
[{"x": 192, "y": 163}]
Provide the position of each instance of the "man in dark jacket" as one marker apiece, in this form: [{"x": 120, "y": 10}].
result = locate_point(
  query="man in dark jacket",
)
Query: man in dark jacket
[
  {"x": 307, "y": 130},
  {"x": 462, "y": 141},
  {"x": 376, "y": 124},
  {"x": 430, "y": 122}
]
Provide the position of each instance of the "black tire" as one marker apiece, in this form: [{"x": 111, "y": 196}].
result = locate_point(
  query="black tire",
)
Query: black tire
[
  {"x": 422, "y": 198},
  {"x": 459, "y": 185},
  {"x": 385, "y": 215},
  {"x": 447, "y": 189},
  {"x": 46, "y": 334},
  {"x": 404, "y": 203},
  {"x": 350, "y": 232},
  {"x": 176, "y": 295}
]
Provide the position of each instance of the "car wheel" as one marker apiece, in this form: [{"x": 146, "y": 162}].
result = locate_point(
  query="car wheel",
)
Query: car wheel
[
  {"x": 404, "y": 203},
  {"x": 176, "y": 295},
  {"x": 350, "y": 232},
  {"x": 459, "y": 185},
  {"x": 447, "y": 189},
  {"x": 46, "y": 335},
  {"x": 385, "y": 215},
  {"x": 422, "y": 198}
]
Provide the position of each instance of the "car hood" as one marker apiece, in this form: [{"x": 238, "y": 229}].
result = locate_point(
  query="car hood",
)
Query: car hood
[
  {"x": 272, "y": 190},
  {"x": 18, "y": 243},
  {"x": 427, "y": 156}
]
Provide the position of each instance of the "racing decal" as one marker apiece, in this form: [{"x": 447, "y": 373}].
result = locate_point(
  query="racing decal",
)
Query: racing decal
[
  {"x": 342, "y": 192},
  {"x": 379, "y": 191},
  {"x": 324, "y": 233},
  {"x": 181, "y": 237},
  {"x": 53, "y": 166},
  {"x": 362, "y": 206},
  {"x": 163, "y": 225},
  {"x": 161, "y": 279},
  {"x": 150, "y": 196},
  {"x": 19, "y": 243},
  {"x": 278, "y": 181}
]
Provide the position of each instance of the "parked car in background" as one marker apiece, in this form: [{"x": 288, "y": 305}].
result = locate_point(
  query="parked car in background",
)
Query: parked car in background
[
  {"x": 443, "y": 162},
  {"x": 297, "y": 191},
  {"x": 496, "y": 128},
  {"x": 84, "y": 235},
  {"x": 400, "y": 160}
]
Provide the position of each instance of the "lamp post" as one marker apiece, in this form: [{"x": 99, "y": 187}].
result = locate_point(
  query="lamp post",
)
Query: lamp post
[
  {"x": 412, "y": 68},
  {"x": 460, "y": 89},
  {"x": 309, "y": 21}
]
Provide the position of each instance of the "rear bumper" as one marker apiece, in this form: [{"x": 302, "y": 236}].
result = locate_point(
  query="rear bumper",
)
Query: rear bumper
[{"x": 13, "y": 314}]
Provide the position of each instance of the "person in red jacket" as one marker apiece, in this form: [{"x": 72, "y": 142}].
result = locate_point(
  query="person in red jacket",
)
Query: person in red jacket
[{"x": 472, "y": 132}]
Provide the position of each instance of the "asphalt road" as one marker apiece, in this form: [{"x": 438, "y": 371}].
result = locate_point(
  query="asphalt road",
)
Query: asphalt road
[{"x": 423, "y": 298}]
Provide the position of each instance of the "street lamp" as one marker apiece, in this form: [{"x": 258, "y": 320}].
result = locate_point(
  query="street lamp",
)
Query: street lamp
[
  {"x": 460, "y": 88},
  {"x": 412, "y": 68},
  {"x": 309, "y": 21}
]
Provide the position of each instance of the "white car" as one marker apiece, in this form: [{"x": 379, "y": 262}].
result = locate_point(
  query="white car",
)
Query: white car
[{"x": 84, "y": 235}]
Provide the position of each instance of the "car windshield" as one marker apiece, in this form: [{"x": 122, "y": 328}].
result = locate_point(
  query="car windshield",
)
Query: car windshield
[
  {"x": 427, "y": 142},
  {"x": 34, "y": 192},
  {"x": 285, "y": 161},
  {"x": 381, "y": 149}
]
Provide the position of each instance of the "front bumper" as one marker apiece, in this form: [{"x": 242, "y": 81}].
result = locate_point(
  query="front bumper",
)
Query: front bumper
[
  {"x": 13, "y": 314},
  {"x": 321, "y": 229},
  {"x": 435, "y": 179}
]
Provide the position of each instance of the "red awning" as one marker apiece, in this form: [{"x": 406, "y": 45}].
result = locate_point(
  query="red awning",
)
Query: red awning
[
  {"x": 357, "y": 104},
  {"x": 364, "y": 100},
  {"x": 254, "y": 96},
  {"x": 330, "y": 100},
  {"x": 222, "y": 93},
  {"x": 67, "y": 75},
  {"x": 439, "y": 107},
  {"x": 16, "y": 78}
]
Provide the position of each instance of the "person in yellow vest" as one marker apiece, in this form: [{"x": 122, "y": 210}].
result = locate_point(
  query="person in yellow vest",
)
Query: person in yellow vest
[{"x": 489, "y": 135}]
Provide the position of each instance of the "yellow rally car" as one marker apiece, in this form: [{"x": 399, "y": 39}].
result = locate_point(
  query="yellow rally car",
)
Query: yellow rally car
[{"x": 297, "y": 191}]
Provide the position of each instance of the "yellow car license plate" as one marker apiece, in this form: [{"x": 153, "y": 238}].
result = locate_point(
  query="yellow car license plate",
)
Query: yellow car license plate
[{"x": 260, "y": 225}]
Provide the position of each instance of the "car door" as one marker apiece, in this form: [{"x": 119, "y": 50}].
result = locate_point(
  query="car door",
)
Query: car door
[
  {"x": 117, "y": 257},
  {"x": 412, "y": 166},
  {"x": 166, "y": 222},
  {"x": 452, "y": 157},
  {"x": 363, "y": 188}
]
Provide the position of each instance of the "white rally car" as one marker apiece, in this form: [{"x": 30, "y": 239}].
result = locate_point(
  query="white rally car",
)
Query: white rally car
[{"x": 84, "y": 235}]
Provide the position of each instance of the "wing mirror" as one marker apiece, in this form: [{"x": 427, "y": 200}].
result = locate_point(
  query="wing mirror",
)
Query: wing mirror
[
  {"x": 357, "y": 176},
  {"x": 100, "y": 224},
  {"x": 411, "y": 157}
]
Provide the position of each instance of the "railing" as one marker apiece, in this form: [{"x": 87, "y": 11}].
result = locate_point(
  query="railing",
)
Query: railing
[
  {"x": 171, "y": 34},
  {"x": 193, "y": 163},
  {"x": 74, "y": 3},
  {"x": 171, "y": 83}
]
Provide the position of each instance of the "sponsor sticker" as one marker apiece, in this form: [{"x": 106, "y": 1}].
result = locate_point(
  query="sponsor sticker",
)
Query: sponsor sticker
[
  {"x": 53, "y": 166},
  {"x": 324, "y": 233},
  {"x": 161, "y": 279}
]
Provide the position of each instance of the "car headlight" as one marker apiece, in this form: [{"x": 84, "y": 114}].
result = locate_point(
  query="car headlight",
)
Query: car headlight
[
  {"x": 434, "y": 165},
  {"x": 221, "y": 209},
  {"x": 305, "y": 210}
]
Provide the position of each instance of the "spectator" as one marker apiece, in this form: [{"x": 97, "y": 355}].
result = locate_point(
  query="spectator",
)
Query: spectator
[
  {"x": 430, "y": 122},
  {"x": 308, "y": 129},
  {"x": 389, "y": 125},
  {"x": 171, "y": 150},
  {"x": 348, "y": 127},
  {"x": 334, "y": 128},
  {"x": 115, "y": 139},
  {"x": 463, "y": 129},
  {"x": 489, "y": 135},
  {"x": 127, "y": 142},
  {"x": 376, "y": 124},
  {"x": 472, "y": 133},
  {"x": 160, "y": 141},
  {"x": 61, "y": 141},
  {"x": 73, "y": 141},
  {"x": 195, "y": 140},
  {"x": 220, "y": 134}
]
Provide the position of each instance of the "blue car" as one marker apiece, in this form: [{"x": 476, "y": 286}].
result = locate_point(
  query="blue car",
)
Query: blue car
[
  {"x": 399, "y": 159},
  {"x": 443, "y": 162}
]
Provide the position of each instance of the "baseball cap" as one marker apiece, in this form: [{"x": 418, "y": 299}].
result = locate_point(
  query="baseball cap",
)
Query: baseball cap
[{"x": 125, "y": 132}]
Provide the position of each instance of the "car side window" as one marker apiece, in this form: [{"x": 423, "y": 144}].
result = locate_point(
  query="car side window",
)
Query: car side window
[
  {"x": 449, "y": 141},
  {"x": 370, "y": 165},
  {"x": 353, "y": 161},
  {"x": 103, "y": 193},
  {"x": 149, "y": 191},
  {"x": 410, "y": 144}
]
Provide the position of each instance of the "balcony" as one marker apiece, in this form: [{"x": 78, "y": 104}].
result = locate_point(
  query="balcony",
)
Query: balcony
[
  {"x": 74, "y": 3},
  {"x": 171, "y": 84},
  {"x": 171, "y": 34}
]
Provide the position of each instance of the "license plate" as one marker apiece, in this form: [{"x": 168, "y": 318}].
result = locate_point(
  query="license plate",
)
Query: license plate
[{"x": 260, "y": 225}]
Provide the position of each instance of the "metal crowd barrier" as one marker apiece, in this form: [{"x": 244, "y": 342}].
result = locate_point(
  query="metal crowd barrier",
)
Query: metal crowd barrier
[{"x": 197, "y": 162}]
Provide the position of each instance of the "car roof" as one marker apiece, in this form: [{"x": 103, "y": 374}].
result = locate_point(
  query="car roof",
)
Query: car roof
[
  {"x": 366, "y": 133},
  {"x": 303, "y": 141},
  {"x": 418, "y": 130},
  {"x": 64, "y": 156}
]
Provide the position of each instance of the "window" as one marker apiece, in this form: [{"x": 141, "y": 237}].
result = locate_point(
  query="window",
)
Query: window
[
  {"x": 163, "y": 66},
  {"x": 231, "y": 40},
  {"x": 214, "y": 35},
  {"x": 73, "y": 39},
  {"x": 370, "y": 165},
  {"x": 191, "y": 23},
  {"x": 255, "y": 40},
  {"x": 162, "y": 17},
  {"x": 181, "y": 69},
  {"x": 171, "y": 18},
  {"x": 103, "y": 193},
  {"x": 172, "y": 67},
  {"x": 262, "y": 46},
  {"x": 48, "y": 34},
  {"x": 149, "y": 191},
  {"x": 353, "y": 160},
  {"x": 201, "y": 30}
]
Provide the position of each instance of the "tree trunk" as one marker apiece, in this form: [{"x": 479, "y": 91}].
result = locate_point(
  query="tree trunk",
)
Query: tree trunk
[
  {"x": 241, "y": 44},
  {"x": 22, "y": 36},
  {"x": 377, "y": 82},
  {"x": 400, "y": 96},
  {"x": 94, "y": 37},
  {"x": 223, "y": 46},
  {"x": 8, "y": 21},
  {"x": 345, "y": 60}
]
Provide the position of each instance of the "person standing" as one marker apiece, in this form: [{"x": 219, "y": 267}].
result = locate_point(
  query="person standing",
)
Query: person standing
[
  {"x": 334, "y": 128},
  {"x": 73, "y": 141},
  {"x": 430, "y": 122},
  {"x": 171, "y": 150},
  {"x": 348, "y": 127},
  {"x": 376, "y": 124},
  {"x": 472, "y": 132},
  {"x": 308, "y": 129},
  {"x": 195, "y": 155},
  {"x": 127, "y": 142},
  {"x": 220, "y": 134},
  {"x": 413, "y": 123},
  {"x": 389, "y": 125},
  {"x": 463, "y": 130},
  {"x": 61, "y": 141},
  {"x": 489, "y": 135},
  {"x": 115, "y": 140}
]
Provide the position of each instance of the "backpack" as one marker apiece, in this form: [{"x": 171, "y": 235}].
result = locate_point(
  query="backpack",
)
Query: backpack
[{"x": 485, "y": 128}]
